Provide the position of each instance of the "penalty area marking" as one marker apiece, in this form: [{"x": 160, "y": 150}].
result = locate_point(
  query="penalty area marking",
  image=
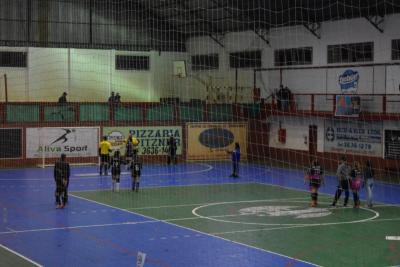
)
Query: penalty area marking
[
  {"x": 20, "y": 255},
  {"x": 209, "y": 168},
  {"x": 195, "y": 210}
]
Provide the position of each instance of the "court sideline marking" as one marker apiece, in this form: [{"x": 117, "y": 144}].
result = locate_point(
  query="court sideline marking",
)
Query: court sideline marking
[
  {"x": 197, "y": 231},
  {"x": 20, "y": 255}
]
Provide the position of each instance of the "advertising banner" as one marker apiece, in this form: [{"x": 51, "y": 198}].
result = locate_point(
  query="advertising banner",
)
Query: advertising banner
[
  {"x": 152, "y": 139},
  {"x": 347, "y": 106},
  {"x": 11, "y": 143},
  {"x": 52, "y": 142},
  {"x": 210, "y": 141},
  {"x": 352, "y": 137}
]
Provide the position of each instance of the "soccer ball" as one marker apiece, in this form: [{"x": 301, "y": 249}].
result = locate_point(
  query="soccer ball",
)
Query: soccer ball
[{"x": 135, "y": 142}]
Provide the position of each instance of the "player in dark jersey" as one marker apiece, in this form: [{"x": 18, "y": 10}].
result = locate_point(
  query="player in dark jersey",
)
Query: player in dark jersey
[
  {"x": 129, "y": 152},
  {"x": 136, "y": 169},
  {"x": 116, "y": 170},
  {"x": 315, "y": 177},
  {"x": 61, "y": 177},
  {"x": 172, "y": 147}
]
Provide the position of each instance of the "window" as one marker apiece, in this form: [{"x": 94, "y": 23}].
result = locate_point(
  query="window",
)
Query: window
[
  {"x": 205, "y": 62},
  {"x": 248, "y": 59},
  {"x": 347, "y": 53},
  {"x": 293, "y": 56},
  {"x": 13, "y": 59},
  {"x": 396, "y": 49},
  {"x": 132, "y": 62}
]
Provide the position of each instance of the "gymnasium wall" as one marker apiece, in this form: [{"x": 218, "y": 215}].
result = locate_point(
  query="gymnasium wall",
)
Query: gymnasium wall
[
  {"x": 373, "y": 80},
  {"x": 90, "y": 75}
]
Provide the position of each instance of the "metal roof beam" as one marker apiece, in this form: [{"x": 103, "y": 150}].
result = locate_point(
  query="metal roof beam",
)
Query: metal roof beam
[{"x": 376, "y": 21}]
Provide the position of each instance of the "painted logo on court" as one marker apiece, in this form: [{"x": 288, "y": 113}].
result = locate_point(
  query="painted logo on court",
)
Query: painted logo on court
[
  {"x": 216, "y": 138},
  {"x": 348, "y": 81},
  {"x": 289, "y": 211}
]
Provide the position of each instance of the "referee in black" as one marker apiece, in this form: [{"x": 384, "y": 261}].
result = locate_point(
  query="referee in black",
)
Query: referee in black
[{"x": 61, "y": 177}]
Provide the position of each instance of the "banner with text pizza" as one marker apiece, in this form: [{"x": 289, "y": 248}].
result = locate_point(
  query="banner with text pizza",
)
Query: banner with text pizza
[
  {"x": 51, "y": 142},
  {"x": 152, "y": 139},
  {"x": 212, "y": 141}
]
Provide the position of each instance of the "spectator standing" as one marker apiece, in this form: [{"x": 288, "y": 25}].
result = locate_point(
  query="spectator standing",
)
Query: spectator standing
[
  {"x": 111, "y": 99},
  {"x": 63, "y": 98}
]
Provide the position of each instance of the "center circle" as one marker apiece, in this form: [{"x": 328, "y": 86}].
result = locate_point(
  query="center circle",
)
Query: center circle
[{"x": 222, "y": 218}]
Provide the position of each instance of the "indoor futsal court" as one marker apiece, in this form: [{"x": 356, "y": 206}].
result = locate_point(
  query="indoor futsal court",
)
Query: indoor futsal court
[{"x": 207, "y": 133}]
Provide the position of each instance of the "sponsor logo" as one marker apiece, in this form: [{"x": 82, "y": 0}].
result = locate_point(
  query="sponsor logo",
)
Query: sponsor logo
[
  {"x": 330, "y": 134},
  {"x": 216, "y": 138},
  {"x": 348, "y": 81},
  {"x": 288, "y": 211},
  {"x": 63, "y": 137}
]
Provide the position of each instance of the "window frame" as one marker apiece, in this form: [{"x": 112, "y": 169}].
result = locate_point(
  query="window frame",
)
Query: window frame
[
  {"x": 396, "y": 49},
  {"x": 350, "y": 53},
  {"x": 13, "y": 59},
  {"x": 245, "y": 58},
  {"x": 204, "y": 61},
  {"x": 293, "y": 56},
  {"x": 122, "y": 63}
]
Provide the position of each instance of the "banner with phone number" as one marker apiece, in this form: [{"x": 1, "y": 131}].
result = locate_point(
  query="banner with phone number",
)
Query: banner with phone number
[{"x": 152, "y": 139}]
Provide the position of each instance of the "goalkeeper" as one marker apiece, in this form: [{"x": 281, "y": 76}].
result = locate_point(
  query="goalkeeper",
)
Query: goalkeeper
[{"x": 104, "y": 151}]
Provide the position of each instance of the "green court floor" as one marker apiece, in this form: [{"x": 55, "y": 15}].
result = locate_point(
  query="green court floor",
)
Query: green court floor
[{"x": 272, "y": 218}]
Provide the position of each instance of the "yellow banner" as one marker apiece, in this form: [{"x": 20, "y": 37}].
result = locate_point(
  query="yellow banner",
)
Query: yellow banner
[{"x": 211, "y": 141}]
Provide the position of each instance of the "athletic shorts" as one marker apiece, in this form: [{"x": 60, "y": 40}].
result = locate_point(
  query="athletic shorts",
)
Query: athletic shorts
[
  {"x": 105, "y": 158},
  {"x": 344, "y": 184},
  {"x": 315, "y": 183}
]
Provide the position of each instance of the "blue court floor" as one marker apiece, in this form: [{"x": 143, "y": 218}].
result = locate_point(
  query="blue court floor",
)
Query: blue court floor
[{"x": 87, "y": 233}]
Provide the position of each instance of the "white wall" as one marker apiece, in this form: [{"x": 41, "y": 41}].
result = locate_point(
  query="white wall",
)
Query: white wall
[
  {"x": 90, "y": 75},
  {"x": 297, "y": 132},
  {"x": 372, "y": 80}
]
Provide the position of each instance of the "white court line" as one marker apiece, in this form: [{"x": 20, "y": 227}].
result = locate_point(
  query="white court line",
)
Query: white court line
[
  {"x": 95, "y": 175},
  {"x": 194, "y": 212},
  {"x": 209, "y": 168},
  {"x": 147, "y": 187},
  {"x": 393, "y": 238},
  {"x": 202, "y": 233},
  {"x": 294, "y": 226},
  {"x": 21, "y": 256},
  {"x": 75, "y": 227},
  {"x": 200, "y": 204}
]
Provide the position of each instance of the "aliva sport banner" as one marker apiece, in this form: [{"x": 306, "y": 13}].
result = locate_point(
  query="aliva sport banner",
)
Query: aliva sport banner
[
  {"x": 52, "y": 142},
  {"x": 210, "y": 141},
  {"x": 152, "y": 139}
]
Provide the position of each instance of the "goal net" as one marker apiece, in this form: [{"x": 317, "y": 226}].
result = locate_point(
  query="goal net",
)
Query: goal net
[{"x": 287, "y": 82}]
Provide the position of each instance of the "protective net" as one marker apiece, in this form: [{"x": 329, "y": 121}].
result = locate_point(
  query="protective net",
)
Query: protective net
[{"x": 249, "y": 126}]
